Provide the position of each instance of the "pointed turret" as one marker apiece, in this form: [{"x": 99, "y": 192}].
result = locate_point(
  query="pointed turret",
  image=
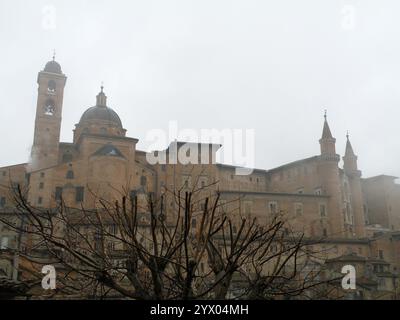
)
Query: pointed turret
[
  {"x": 327, "y": 141},
  {"x": 349, "y": 148},
  {"x": 326, "y": 132},
  {"x": 350, "y": 159}
]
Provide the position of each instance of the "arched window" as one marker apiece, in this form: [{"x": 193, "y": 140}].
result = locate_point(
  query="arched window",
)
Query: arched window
[
  {"x": 49, "y": 107},
  {"x": 51, "y": 87},
  {"x": 143, "y": 181}
]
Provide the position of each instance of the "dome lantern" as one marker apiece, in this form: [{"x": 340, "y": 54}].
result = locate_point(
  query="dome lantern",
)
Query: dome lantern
[
  {"x": 101, "y": 113},
  {"x": 101, "y": 99}
]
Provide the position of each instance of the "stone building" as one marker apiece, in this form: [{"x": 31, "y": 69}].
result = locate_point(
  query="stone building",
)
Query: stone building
[{"x": 350, "y": 215}]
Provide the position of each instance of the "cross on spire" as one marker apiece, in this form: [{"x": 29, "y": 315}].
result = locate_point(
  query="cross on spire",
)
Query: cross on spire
[
  {"x": 101, "y": 99},
  {"x": 349, "y": 147},
  {"x": 326, "y": 133}
]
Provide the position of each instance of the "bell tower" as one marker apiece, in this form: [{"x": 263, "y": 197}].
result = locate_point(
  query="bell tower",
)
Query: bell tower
[{"x": 46, "y": 140}]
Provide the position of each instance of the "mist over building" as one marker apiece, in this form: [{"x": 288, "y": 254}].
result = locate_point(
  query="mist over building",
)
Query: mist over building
[{"x": 355, "y": 217}]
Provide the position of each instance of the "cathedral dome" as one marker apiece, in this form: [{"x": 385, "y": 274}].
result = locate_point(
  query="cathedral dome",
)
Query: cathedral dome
[
  {"x": 53, "y": 67},
  {"x": 101, "y": 113}
]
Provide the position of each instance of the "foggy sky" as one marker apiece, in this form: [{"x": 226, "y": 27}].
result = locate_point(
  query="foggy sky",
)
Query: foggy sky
[{"x": 272, "y": 66}]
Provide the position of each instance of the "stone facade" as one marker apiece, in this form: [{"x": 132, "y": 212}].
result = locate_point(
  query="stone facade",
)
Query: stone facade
[{"x": 351, "y": 215}]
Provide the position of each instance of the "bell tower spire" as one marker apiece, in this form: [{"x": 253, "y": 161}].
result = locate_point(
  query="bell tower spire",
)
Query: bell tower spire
[{"x": 46, "y": 141}]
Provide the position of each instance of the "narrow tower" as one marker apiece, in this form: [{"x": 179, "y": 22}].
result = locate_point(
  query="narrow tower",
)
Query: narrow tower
[
  {"x": 330, "y": 181},
  {"x": 51, "y": 83},
  {"x": 354, "y": 176}
]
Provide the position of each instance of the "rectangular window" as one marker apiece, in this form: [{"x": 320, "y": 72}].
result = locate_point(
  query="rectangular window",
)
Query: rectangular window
[
  {"x": 380, "y": 254},
  {"x": 318, "y": 191},
  {"x": 58, "y": 194},
  {"x": 80, "y": 193},
  {"x": 70, "y": 174},
  {"x": 132, "y": 195},
  {"x": 113, "y": 229},
  {"x": 67, "y": 157},
  {"x": 203, "y": 182},
  {"x": 322, "y": 209},
  {"x": 41, "y": 185},
  {"x": 97, "y": 234},
  {"x": 298, "y": 207},
  {"x": 40, "y": 200},
  {"x": 111, "y": 246},
  {"x": 4, "y": 243},
  {"x": 2, "y": 202},
  {"x": 187, "y": 182},
  {"x": 15, "y": 186},
  {"x": 273, "y": 207}
]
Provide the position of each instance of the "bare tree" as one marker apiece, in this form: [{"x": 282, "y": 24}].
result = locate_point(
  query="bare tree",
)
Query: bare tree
[{"x": 141, "y": 250}]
